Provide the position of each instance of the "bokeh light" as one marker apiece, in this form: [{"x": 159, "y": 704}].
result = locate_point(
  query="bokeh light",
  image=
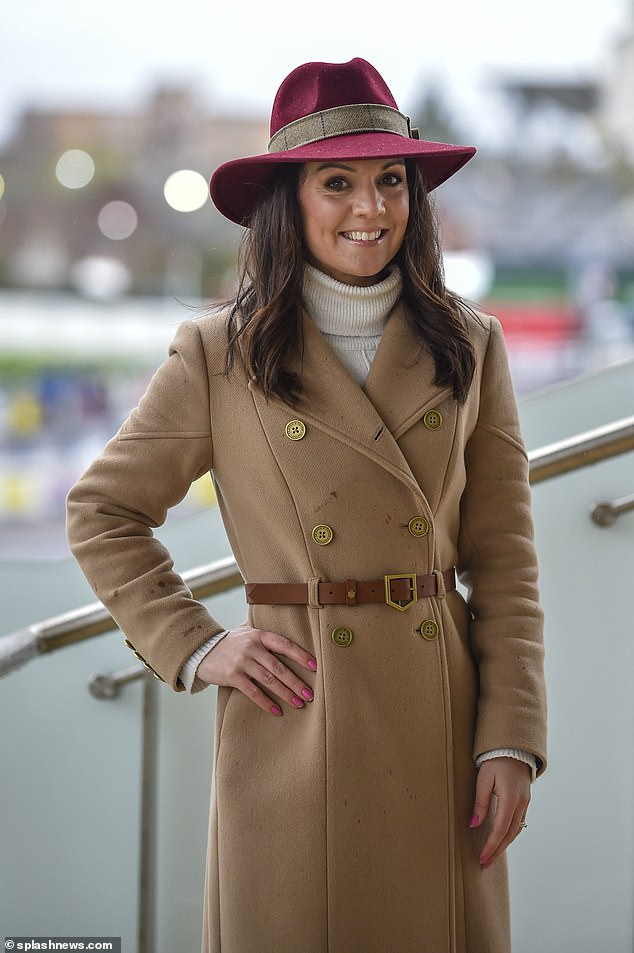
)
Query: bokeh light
[
  {"x": 118, "y": 220},
  {"x": 186, "y": 190},
  {"x": 1, "y": 185},
  {"x": 100, "y": 277},
  {"x": 469, "y": 273},
  {"x": 75, "y": 169}
]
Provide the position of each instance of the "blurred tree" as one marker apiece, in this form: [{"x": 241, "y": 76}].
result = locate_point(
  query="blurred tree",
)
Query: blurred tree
[{"x": 433, "y": 117}]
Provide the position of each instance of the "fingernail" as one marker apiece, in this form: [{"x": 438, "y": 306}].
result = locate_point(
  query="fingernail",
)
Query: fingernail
[
  {"x": 308, "y": 695},
  {"x": 474, "y": 820},
  {"x": 312, "y": 664},
  {"x": 276, "y": 709},
  {"x": 297, "y": 702},
  {"x": 484, "y": 861},
  {"x": 486, "y": 865}
]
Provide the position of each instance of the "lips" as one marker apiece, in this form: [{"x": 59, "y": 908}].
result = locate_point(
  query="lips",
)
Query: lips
[{"x": 364, "y": 236}]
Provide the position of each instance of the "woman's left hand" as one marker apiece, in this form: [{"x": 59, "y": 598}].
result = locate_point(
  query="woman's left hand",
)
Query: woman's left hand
[{"x": 510, "y": 781}]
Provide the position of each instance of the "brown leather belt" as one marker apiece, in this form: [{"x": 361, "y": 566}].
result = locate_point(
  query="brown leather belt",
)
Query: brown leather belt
[{"x": 399, "y": 590}]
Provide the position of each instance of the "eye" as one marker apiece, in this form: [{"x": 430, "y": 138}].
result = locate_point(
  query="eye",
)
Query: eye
[
  {"x": 336, "y": 184},
  {"x": 391, "y": 178}
]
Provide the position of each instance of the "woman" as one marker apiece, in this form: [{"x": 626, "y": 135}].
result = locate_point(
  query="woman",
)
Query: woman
[{"x": 361, "y": 429}]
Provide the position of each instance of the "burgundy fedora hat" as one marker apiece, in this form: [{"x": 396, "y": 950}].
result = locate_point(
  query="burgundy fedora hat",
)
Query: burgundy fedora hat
[{"x": 331, "y": 111}]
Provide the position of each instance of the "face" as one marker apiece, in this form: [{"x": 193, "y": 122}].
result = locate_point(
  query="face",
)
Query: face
[{"x": 354, "y": 216}]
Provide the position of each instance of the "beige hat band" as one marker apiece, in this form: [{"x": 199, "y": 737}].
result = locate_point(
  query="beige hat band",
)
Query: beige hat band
[{"x": 341, "y": 121}]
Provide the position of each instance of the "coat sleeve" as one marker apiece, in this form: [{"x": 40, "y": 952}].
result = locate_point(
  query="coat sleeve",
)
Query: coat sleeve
[
  {"x": 148, "y": 467},
  {"x": 497, "y": 563}
]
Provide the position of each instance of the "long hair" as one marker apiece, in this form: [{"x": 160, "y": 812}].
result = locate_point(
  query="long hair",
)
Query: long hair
[{"x": 266, "y": 314}]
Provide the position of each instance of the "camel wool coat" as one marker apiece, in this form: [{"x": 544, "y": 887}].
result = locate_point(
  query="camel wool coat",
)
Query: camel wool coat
[{"x": 342, "y": 827}]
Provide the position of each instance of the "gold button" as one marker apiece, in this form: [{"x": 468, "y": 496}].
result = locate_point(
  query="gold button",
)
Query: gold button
[
  {"x": 140, "y": 657},
  {"x": 418, "y": 526},
  {"x": 128, "y": 643},
  {"x": 156, "y": 675},
  {"x": 322, "y": 534},
  {"x": 428, "y": 629},
  {"x": 342, "y": 635},
  {"x": 295, "y": 429},
  {"x": 432, "y": 419}
]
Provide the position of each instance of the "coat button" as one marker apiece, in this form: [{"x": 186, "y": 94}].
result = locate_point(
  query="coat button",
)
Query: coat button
[
  {"x": 432, "y": 419},
  {"x": 418, "y": 526},
  {"x": 295, "y": 429},
  {"x": 322, "y": 534},
  {"x": 342, "y": 635},
  {"x": 428, "y": 629},
  {"x": 128, "y": 643}
]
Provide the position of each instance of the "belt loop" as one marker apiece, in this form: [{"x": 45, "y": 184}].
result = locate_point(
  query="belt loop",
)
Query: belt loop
[
  {"x": 313, "y": 593},
  {"x": 441, "y": 589},
  {"x": 351, "y": 592}
]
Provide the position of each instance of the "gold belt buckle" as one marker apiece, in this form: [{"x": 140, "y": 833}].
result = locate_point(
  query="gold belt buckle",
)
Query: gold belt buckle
[{"x": 411, "y": 577}]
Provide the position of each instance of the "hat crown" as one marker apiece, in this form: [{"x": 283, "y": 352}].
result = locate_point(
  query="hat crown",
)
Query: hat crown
[{"x": 314, "y": 87}]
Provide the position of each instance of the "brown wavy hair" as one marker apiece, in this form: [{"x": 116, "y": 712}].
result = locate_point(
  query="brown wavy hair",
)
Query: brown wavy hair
[{"x": 265, "y": 316}]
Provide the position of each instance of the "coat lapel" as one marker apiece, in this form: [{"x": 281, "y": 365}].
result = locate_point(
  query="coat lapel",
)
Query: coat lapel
[
  {"x": 400, "y": 384},
  {"x": 398, "y": 391}
]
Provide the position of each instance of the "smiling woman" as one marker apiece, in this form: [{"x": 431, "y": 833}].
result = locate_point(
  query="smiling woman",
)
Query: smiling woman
[
  {"x": 361, "y": 428},
  {"x": 354, "y": 216}
]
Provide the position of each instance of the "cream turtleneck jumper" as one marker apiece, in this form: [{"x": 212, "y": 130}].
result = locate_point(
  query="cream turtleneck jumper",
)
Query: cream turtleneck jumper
[{"x": 352, "y": 319}]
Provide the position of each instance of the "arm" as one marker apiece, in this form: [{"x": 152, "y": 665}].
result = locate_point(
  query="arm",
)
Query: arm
[
  {"x": 147, "y": 468},
  {"x": 163, "y": 446},
  {"x": 497, "y": 563}
]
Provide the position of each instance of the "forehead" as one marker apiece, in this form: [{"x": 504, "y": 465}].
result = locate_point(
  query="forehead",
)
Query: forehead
[{"x": 353, "y": 166}]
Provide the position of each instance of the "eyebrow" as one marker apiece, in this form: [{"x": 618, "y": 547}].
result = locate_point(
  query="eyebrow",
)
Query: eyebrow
[{"x": 349, "y": 168}]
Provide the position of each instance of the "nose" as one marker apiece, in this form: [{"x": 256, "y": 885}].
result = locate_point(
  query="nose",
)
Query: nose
[{"x": 369, "y": 201}]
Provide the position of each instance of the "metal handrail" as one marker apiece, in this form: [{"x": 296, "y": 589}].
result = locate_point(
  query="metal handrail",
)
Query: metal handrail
[
  {"x": 581, "y": 451},
  {"x": 78, "y": 625},
  {"x": 19, "y": 647}
]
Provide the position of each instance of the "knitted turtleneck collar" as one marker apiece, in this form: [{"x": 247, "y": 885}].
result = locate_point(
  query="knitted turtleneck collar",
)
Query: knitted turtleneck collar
[{"x": 350, "y": 310}]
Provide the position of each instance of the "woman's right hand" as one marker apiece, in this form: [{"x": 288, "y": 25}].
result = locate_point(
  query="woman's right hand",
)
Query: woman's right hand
[{"x": 247, "y": 658}]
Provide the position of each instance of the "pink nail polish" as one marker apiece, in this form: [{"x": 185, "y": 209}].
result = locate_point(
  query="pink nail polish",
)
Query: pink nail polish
[
  {"x": 486, "y": 864},
  {"x": 276, "y": 709},
  {"x": 308, "y": 695},
  {"x": 484, "y": 861},
  {"x": 312, "y": 664},
  {"x": 297, "y": 702},
  {"x": 474, "y": 820}
]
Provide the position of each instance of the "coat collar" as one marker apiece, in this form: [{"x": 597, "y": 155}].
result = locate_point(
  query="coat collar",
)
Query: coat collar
[
  {"x": 398, "y": 391},
  {"x": 399, "y": 388}
]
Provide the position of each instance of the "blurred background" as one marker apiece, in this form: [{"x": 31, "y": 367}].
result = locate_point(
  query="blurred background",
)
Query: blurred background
[{"x": 112, "y": 122}]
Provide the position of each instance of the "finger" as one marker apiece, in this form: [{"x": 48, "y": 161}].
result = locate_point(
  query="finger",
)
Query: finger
[
  {"x": 502, "y": 820},
  {"x": 277, "y": 673},
  {"x": 279, "y": 644},
  {"x": 514, "y": 828},
  {"x": 263, "y": 675},
  {"x": 255, "y": 694},
  {"x": 482, "y": 802}
]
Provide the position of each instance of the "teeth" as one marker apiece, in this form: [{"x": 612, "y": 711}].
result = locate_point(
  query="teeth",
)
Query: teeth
[{"x": 363, "y": 236}]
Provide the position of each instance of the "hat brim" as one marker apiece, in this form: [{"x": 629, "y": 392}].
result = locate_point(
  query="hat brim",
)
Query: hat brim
[{"x": 236, "y": 186}]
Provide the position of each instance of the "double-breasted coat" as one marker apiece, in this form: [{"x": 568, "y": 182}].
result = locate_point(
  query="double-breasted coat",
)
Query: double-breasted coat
[{"x": 342, "y": 827}]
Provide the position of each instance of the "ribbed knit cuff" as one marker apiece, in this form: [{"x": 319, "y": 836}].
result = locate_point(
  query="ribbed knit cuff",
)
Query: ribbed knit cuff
[
  {"x": 516, "y": 753},
  {"x": 188, "y": 672}
]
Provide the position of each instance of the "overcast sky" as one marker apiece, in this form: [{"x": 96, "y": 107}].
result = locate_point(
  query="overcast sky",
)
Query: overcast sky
[{"x": 76, "y": 53}]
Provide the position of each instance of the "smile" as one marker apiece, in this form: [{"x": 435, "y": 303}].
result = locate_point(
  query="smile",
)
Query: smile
[{"x": 364, "y": 236}]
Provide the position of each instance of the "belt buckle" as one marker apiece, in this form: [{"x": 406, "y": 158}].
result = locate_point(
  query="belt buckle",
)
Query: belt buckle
[{"x": 411, "y": 577}]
